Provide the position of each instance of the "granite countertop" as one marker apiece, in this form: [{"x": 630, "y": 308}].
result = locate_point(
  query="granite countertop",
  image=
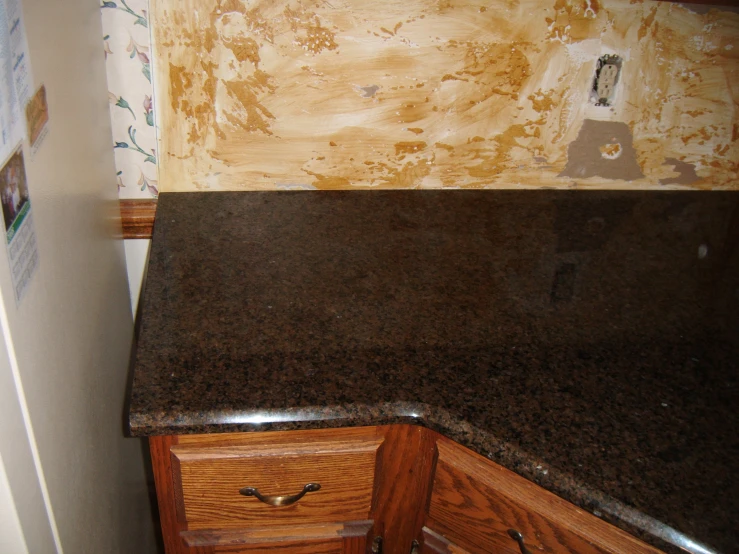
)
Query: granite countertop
[{"x": 588, "y": 340}]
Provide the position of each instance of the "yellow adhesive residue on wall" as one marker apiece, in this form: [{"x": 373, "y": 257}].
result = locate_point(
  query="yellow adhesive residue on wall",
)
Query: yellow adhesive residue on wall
[{"x": 259, "y": 95}]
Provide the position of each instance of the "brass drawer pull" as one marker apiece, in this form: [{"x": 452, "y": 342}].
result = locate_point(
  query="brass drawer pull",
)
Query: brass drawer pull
[
  {"x": 275, "y": 500},
  {"x": 518, "y": 537}
]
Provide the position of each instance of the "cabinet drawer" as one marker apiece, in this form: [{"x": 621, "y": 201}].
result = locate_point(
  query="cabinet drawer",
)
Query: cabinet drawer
[
  {"x": 474, "y": 503},
  {"x": 208, "y": 476}
]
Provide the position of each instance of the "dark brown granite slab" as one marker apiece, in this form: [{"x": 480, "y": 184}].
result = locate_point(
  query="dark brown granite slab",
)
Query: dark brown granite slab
[{"x": 588, "y": 341}]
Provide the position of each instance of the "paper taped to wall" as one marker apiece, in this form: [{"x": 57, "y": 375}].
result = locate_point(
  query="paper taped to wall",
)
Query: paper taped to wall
[
  {"x": 16, "y": 78},
  {"x": 37, "y": 118}
]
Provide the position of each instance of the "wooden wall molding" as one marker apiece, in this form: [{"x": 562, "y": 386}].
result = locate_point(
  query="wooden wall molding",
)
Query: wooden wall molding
[{"x": 137, "y": 218}]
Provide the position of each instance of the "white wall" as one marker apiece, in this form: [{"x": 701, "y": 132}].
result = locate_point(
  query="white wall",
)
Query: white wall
[
  {"x": 19, "y": 453},
  {"x": 69, "y": 340},
  {"x": 11, "y": 534},
  {"x": 137, "y": 256}
]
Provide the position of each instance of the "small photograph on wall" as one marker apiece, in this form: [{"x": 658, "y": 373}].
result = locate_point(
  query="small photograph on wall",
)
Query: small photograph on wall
[
  {"x": 19, "y": 230},
  {"x": 13, "y": 189},
  {"x": 37, "y": 116}
]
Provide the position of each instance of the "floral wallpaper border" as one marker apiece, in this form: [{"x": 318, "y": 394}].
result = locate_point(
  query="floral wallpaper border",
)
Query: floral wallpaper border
[{"x": 128, "y": 65}]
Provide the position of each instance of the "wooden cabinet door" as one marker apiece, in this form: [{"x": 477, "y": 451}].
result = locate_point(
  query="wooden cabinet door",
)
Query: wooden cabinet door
[
  {"x": 475, "y": 504},
  {"x": 402, "y": 483}
]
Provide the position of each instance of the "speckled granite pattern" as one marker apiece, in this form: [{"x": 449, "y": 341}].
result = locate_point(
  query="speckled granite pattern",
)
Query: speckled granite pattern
[{"x": 586, "y": 340}]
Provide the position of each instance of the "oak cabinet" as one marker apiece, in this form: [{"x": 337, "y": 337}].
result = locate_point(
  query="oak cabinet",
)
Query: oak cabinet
[
  {"x": 433, "y": 543},
  {"x": 302, "y": 492},
  {"x": 392, "y": 489},
  {"x": 254, "y": 484},
  {"x": 479, "y": 507}
]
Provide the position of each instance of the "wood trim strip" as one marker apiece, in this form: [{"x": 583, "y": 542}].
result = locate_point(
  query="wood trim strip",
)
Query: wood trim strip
[
  {"x": 282, "y": 440},
  {"x": 137, "y": 218},
  {"x": 166, "y": 494},
  {"x": 190, "y": 454},
  {"x": 402, "y": 482},
  {"x": 248, "y": 536}
]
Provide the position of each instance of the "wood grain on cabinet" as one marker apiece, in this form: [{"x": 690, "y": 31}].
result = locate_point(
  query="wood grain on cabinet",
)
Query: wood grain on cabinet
[
  {"x": 403, "y": 481},
  {"x": 398, "y": 482},
  {"x": 314, "y": 539},
  {"x": 325, "y": 532},
  {"x": 433, "y": 543},
  {"x": 162, "y": 468},
  {"x": 338, "y": 546},
  {"x": 208, "y": 517},
  {"x": 474, "y": 502},
  {"x": 210, "y": 477}
]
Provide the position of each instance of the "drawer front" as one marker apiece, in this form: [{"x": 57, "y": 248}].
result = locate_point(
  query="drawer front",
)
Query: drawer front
[
  {"x": 474, "y": 503},
  {"x": 208, "y": 478}
]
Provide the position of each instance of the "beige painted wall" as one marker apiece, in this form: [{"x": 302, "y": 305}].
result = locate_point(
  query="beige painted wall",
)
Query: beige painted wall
[{"x": 68, "y": 341}]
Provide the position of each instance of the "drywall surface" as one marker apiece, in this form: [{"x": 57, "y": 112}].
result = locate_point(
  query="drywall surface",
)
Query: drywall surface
[
  {"x": 68, "y": 341},
  {"x": 11, "y": 534},
  {"x": 137, "y": 255},
  {"x": 443, "y": 93},
  {"x": 26, "y": 498}
]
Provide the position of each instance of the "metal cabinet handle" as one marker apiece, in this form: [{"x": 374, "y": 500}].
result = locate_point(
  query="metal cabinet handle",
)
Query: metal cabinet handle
[
  {"x": 415, "y": 547},
  {"x": 518, "y": 537},
  {"x": 275, "y": 500}
]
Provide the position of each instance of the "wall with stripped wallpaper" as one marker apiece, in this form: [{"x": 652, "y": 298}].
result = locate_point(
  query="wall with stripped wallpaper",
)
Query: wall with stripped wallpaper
[{"x": 347, "y": 94}]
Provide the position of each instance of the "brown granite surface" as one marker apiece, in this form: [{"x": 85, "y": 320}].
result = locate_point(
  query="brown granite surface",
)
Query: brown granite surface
[{"x": 588, "y": 341}]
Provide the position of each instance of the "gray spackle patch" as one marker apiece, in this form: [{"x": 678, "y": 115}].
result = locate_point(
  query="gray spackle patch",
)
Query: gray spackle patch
[
  {"x": 544, "y": 163},
  {"x": 369, "y": 92},
  {"x": 584, "y": 157},
  {"x": 686, "y": 173}
]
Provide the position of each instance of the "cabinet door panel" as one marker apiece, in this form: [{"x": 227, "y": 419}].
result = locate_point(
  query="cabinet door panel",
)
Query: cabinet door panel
[{"x": 474, "y": 503}]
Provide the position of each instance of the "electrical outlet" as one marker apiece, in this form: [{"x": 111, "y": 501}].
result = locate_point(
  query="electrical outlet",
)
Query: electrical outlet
[{"x": 607, "y": 73}]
